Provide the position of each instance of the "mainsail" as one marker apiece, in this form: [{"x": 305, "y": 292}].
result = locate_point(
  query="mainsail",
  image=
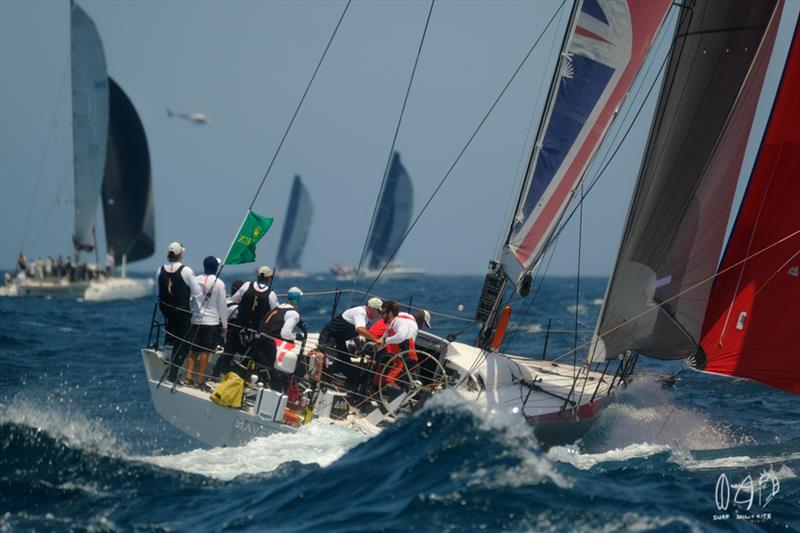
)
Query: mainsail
[
  {"x": 604, "y": 48},
  {"x": 751, "y": 324},
  {"x": 673, "y": 236},
  {"x": 295, "y": 228},
  {"x": 89, "y": 122},
  {"x": 127, "y": 192},
  {"x": 393, "y": 215}
]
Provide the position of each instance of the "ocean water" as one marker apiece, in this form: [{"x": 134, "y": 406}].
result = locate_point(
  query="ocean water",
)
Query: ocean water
[{"x": 81, "y": 447}]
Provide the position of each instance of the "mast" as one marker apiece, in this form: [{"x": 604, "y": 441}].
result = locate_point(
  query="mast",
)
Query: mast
[
  {"x": 673, "y": 235},
  {"x": 89, "y": 123}
]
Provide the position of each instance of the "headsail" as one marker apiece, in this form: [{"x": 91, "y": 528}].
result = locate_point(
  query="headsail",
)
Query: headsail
[
  {"x": 393, "y": 215},
  {"x": 89, "y": 122},
  {"x": 658, "y": 292},
  {"x": 127, "y": 192},
  {"x": 751, "y": 324},
  {"x": 604, "y": 49},
  {"x": 295, "y": 227}
]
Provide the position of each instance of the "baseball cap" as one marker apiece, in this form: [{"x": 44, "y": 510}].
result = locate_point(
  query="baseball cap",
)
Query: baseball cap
[
  {"x": 374, "y": 303},
  {"x": 176, "y": 248},
  {"x": 265, "y": 271},
  {"x": 294, "y": 294}
]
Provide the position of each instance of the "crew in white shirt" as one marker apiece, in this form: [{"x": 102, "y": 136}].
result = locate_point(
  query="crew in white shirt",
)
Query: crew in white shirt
[{"x": 209, "y": 313}]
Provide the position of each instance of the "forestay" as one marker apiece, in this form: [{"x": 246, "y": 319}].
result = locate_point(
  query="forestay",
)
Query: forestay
[
  {"x": 673, "y": 235},
  {"x": 604, "y": 48},
  {"x": 89, "y": 122}
]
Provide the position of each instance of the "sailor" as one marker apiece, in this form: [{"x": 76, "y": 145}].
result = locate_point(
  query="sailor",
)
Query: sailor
[
  {"x": 346, "y": 326},
  {"x": 278, "y": 325},
  {"x": 22, "y": 263},
  {"x": 110, "y": 262},
  {"x": 176, "y": 286},
  {"x": 232, "y": 344},
  {"x": 209, "y": 314},
  {"x": 400, "y": 337},
  {"x": 256, "y": 299}
]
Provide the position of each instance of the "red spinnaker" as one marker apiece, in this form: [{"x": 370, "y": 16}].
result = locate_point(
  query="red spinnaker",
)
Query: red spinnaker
[{"x": 752, "y": 323}]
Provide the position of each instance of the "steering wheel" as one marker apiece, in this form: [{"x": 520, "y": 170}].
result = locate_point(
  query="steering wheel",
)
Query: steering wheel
[{"x": 408, "y": 379}]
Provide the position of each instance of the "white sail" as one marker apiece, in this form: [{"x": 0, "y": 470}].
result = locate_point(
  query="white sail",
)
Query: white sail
[{"x": 89, "y": 122}]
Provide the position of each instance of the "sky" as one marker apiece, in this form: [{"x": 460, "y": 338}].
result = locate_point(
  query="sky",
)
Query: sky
[{"x": 246, "y": 64}]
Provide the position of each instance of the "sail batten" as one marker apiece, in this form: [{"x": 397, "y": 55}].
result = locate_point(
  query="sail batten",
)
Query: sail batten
[
  {"x": 89, "y": 122},
  {"x": 658, "y": 292},
  {"x": 295, "y": 229},
  {"x": 606, "y": 46}
]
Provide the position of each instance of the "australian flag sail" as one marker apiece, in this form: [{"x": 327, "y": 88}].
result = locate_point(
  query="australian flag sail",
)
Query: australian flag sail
[{"x": 604, "y": 48}]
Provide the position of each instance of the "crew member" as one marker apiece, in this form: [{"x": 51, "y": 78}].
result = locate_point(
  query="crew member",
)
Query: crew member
[
  {"x": 278, "y": 325},
  {"x": 400, "y": 336},
  {"x": 232, "y": 344},
  {"x": 209, "y": 314},
  {"x": 255, "y": 299},
  {"x": 176, "y": 286},
  {"x": 346, "y": 326},
  {"x": 110, "y": 262}
]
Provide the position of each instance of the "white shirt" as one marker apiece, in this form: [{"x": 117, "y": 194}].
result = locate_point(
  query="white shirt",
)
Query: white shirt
[
  {"x": 273, "y": 298},
  {"x": 356, "y": 316},
  {"x": 405, "y": 328},
  {"x": 213, "y": 310},
  {"x": 187, "y": 274},
  {"x": 290, "y": 320}
]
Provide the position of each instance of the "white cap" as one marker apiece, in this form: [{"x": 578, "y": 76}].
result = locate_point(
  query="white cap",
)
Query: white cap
[
  {"x": 294, "y": 293},
  {"x": 427, "y": 316},
  {"x": 176, "y": 248},
  {"x": 265, "y": 271},
  {"x": 374, "y": 303}
]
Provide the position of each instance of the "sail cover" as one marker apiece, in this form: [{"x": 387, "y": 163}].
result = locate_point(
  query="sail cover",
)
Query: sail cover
[
  {"x": 127, "y": 193},
  {"x": 673, "y": 236},
  {"x": 393, "y": 216},
  {"x": 605, "y": 46},
  {"x": 295, "y": 228},
  {"x": 89, "y": 122},
  {"x": 751, "y": 325}
]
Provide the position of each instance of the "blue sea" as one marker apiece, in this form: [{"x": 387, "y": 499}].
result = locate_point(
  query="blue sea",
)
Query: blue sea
[{"x": 82, "y": 448}]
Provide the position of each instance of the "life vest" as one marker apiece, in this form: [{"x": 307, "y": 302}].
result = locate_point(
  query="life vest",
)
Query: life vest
[
  {"x": 254, "y": 306},
  {"x": 273, "y": 323},
  {"x": 396, "y": 348},
  {"x": 172, "y": 289},
  {"x": 341, "y": 330}
]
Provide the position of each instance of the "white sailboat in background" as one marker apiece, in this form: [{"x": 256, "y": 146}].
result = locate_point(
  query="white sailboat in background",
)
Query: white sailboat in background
[
  {"x": 393, "y": 216},
  {"x": 657, "y": 300},
  {"x": 110, "y": 159},
  {"x": 295, "y": 232}
]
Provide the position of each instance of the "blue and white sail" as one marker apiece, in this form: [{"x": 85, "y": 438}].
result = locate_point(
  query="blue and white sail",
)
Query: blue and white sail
[
  {"x": 89, "y": 123},
  {"x": 393, "y": 216},
  {"x": 604, "y": 48},
  {"x": 295, "y": 228}
]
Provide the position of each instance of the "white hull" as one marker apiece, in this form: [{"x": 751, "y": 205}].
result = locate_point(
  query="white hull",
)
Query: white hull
[
  {"x": 390, "y": 273},
  {"x": 118, "y": 289},
  {"x": 291, "y": 273},
  {"x": 43, "y": 288},
  {"x": 542, "y": 405}
]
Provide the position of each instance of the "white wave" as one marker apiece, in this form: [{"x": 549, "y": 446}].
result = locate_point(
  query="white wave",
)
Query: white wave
[
  {"x": 530, "y": 328},
  {"x": 585, "y": 461},
  {"x": 314, "y": 443},
  {"x": 72, "y": 428},
  {"x": 533, "y": 468},
  {"x": 597, "y": 301},
  {"x": 581, "y": 308},
  {"x": 739, "y": 461}
]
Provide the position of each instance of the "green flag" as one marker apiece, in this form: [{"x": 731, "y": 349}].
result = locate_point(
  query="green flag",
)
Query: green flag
[{"x": 244, "y": 247}]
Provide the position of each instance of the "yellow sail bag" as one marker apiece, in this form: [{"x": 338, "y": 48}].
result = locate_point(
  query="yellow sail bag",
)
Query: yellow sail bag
[{"x": 229, "y": 392}]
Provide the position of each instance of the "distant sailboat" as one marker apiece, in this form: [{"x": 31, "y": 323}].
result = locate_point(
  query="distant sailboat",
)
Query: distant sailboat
[
  {"x": 395, "y": 206},
  {"x": 110, "y": 158},
  {"x": 295, "y": 232}
]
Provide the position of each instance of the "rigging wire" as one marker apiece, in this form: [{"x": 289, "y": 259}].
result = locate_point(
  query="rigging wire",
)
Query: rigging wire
[
  {"x": 391, "y": 150},
  {"x": 53, "y": 122},
  {"x": 299, "y": 105},
  {"x": 468, "y": 143}
]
